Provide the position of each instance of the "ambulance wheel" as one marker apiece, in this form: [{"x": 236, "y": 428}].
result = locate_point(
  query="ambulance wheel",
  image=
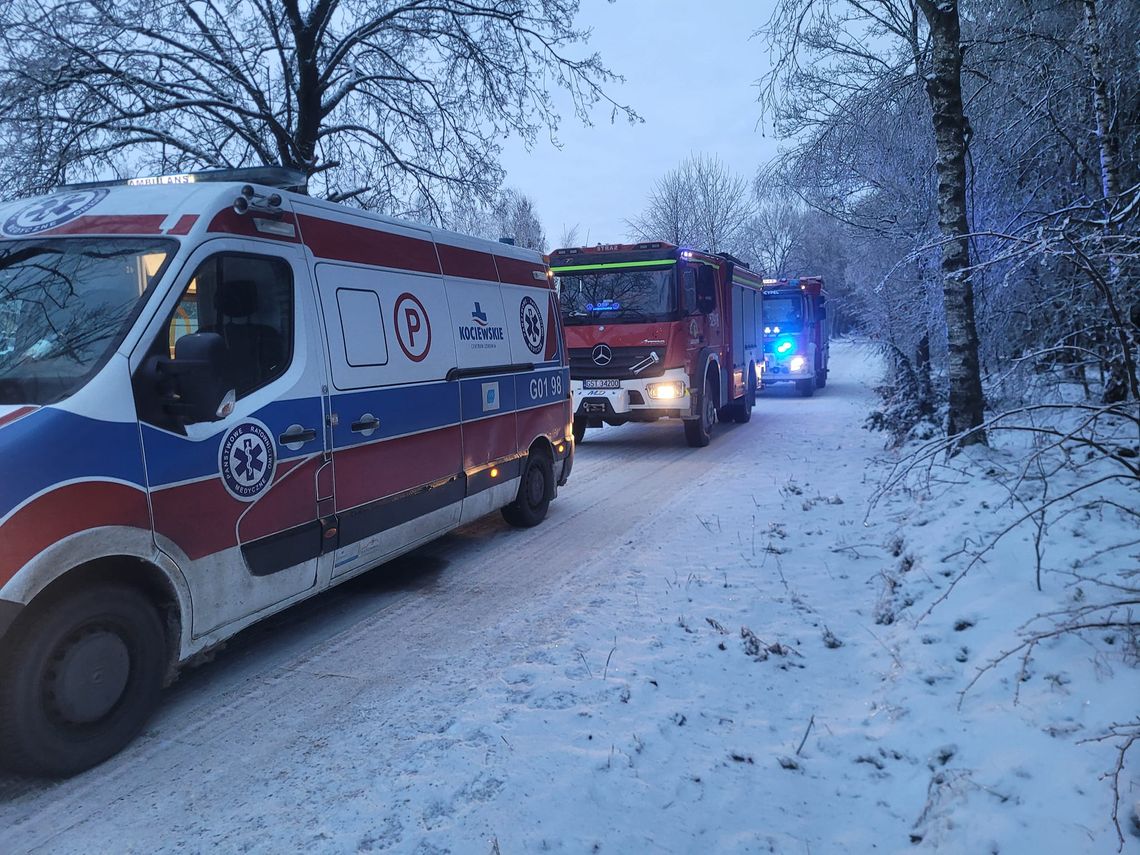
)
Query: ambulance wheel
[
  {"x": 80, "y": 680},
  {"x": 579, "y": 429},
  {"x": 806, "y": 388},
  {"x": 698, "y": 432},
  {"x": 535, "y": 490}
]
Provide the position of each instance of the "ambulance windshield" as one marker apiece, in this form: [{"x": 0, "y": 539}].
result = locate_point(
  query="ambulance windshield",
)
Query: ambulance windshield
[
  {"x": 618, "y": 296},
  {"x": 65, "y": 304}
]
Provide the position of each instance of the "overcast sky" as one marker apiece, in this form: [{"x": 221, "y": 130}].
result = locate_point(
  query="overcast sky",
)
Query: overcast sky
[{"x": 690, "y": 70}]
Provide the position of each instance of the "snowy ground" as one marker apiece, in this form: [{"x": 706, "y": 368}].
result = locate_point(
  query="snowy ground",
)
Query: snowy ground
[{"x": 701, "y": 650}]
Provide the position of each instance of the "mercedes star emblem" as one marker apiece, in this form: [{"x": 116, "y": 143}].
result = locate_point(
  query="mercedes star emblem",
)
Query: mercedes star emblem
[{"x": 602, "y": 355}]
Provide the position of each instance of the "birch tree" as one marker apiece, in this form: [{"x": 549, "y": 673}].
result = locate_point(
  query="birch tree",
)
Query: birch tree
[
  {"x": 943, "y": 80},
  {"x": 837, "y": 60}
]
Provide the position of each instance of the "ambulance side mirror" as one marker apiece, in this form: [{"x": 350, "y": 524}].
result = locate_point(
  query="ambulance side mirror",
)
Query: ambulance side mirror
[
  {"x": 706, "y": 291},
  {"x": 199, "y": 369}
]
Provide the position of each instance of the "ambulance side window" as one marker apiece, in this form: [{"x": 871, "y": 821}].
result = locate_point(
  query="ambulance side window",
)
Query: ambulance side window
[{"x": 248, "y": 301}]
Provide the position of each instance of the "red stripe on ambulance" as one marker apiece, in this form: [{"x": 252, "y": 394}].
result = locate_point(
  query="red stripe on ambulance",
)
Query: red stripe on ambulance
[
  {"x": 184, "y": 224},
  {"x": 346, "y": 242},
  {"x": 65, "y": 511},
  {"x": 16, "y": 414},
  {"x": 121, "y": 224},
  {"x": 202, "y": 517},
  {"x": 373, "y": 471},
  {"x": 467, "y": 263}
]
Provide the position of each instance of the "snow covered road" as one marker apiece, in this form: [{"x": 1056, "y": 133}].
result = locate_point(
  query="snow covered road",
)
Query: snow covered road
[{"x": 687, "y": 656}]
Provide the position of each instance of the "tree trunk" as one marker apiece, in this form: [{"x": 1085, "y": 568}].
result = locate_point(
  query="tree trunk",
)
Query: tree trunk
[
  {"x": 1109, "y": 157},
  {"x": 1122, "y": 378},
  {"x": 944, "y": 89}
]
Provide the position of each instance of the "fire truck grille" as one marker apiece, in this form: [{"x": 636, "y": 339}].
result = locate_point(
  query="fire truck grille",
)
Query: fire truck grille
[{"x": 583, "y": 365}]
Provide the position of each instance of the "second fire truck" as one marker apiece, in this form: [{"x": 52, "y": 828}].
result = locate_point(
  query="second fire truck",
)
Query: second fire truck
[
  {"x": 659, "y": 331},
  {"x": 796, "y": 333}
]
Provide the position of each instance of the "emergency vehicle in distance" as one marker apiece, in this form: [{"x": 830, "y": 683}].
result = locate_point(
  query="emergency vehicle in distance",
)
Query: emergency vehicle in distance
[
  {"x": 657, "y": 331},
  {"x": 796, "y": 333},
  {"x": 219, "y": 397}
]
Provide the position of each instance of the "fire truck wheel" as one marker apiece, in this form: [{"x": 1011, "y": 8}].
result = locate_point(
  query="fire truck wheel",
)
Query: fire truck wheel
[
  {"x": 742, "y": 412},
  {"x": 80, "y": 680},
  {"x": 806, "y": 388},
  {"x": 698, "y": 432},
  {"x": 579, "y": 430},
  {"x": 820, "y": 379},
  {"x": 535, "y": 490}
]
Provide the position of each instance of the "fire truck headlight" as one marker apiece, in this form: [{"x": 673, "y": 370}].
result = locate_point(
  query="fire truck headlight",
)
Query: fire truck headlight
[
  {"x": 666, "y": 391},
  {"x": 796, "y": 364}
]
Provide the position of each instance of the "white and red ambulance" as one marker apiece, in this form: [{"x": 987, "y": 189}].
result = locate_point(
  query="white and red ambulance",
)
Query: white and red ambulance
[{"x": 219, "y": 397}]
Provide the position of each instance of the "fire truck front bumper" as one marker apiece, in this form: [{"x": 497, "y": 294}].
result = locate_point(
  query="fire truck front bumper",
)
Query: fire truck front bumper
[
  {"x": 787, "y": 368},
  {"x": 664, "y": 396}
]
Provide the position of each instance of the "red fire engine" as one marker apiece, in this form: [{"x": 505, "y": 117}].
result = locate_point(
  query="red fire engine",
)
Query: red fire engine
[
  {"x": 796, "y": 333},
  {"x": 658, "y": 331}
]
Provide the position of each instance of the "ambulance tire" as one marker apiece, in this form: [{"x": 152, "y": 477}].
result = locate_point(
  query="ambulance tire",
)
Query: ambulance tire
[
  {"x": 806, "y": 388},
  {"x": 579, "y": 430},
  {"x": 698, "y": 432},
  {"x": 535, "y": 491},
  {"x": 80, "y": 681}
]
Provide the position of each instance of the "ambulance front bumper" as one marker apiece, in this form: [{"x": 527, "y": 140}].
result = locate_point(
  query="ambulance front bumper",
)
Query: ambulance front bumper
[{"x": 667, "y": 393}]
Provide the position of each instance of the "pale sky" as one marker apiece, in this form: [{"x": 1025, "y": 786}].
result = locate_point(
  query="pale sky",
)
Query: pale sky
[{"x": 690, "y": 70}]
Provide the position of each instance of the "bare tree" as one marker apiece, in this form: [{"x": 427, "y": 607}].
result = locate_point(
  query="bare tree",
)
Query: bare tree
[
  {"x": 375, "y": 101},
  {"x": 669, "y": 214},
  {"x": 701, "y": 203},
  {"x": 776, "y": 235},
  {"x": 518, "y": 220},
  {"x": 511, "y": 215},
  {"x": 568, "y": 236}
]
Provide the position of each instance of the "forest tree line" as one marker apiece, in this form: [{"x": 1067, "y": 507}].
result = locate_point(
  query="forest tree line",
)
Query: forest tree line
[{"x": 401, "y": 106}]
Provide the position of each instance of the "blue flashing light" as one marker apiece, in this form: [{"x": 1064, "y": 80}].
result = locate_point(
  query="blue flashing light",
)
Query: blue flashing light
[{"x": 785, "y": 346}]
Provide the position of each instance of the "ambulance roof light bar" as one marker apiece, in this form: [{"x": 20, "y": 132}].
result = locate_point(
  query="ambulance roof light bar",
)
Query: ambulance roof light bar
[{"x": 279, "y": 177}]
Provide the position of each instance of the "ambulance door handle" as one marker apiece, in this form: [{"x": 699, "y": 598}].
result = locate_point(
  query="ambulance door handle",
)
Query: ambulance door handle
[
  {"x": 297, "y": 435},
  {"x": 366, "y": 425}
]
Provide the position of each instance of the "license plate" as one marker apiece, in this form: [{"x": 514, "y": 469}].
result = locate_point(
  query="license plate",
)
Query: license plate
[{"x": 601, "y": 384}]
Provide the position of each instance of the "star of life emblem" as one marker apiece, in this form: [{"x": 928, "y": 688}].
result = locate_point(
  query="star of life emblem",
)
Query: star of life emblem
[
  {"x": 53, "y": 211},
  {"x": 533, "y": 328},
  {"x": 247, "y": 461}
]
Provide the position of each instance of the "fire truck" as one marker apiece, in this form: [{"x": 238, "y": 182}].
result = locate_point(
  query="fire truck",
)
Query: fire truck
[
  {"x": 796, "y": 333},
  {"x": 659, "y": 331}
]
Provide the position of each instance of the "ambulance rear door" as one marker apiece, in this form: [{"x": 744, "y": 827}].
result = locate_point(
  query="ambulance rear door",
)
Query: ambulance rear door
[{"x": 485, "y": 373}]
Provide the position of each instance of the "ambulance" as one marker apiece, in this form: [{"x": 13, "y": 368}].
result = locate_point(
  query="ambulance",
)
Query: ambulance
[{"x": 218, "y": 397}]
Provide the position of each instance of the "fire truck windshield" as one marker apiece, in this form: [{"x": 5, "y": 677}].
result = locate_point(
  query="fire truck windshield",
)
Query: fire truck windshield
[
  {"x": 618, "y": 296},
  {"x": 785, "y": 312},
  {"x": 65, "y": 304}
]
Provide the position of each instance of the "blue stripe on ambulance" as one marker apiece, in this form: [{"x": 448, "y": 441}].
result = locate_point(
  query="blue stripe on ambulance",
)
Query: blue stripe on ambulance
[
  {"x": 174, "y": 460},
  {"x": 74, "y": 448}
]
